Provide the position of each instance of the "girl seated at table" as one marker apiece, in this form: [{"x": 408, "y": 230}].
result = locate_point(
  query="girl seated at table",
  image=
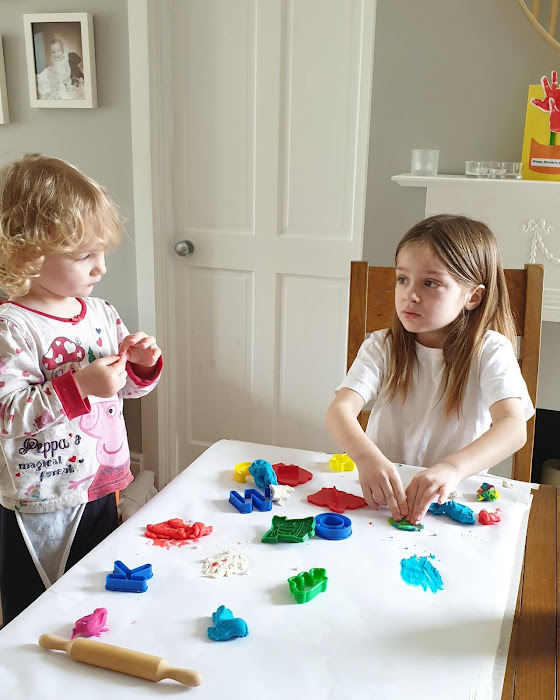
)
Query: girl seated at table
[{"x": 444, "y": 380}]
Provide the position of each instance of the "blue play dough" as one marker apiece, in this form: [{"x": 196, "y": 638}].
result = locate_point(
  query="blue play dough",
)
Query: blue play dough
[
  {"x": 456, "y": 511},
  {"x": 226, "y": 626},
  {"x": 419, "y": 571},
  {"x": 263, "y": 473}
]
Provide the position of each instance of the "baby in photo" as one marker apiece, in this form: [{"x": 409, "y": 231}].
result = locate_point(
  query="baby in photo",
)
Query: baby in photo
[{"x": 62, "y": 79}]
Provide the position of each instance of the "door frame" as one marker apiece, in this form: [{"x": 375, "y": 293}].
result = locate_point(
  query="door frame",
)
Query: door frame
[{"x": 149, "y": 30}]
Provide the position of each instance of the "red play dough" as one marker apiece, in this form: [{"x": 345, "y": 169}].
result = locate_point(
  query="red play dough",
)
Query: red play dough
[
  {"x": 489, "y": 518},
  {"x": 335, "y": 500},
  {"x": 176, "y": 529},
  {"x": 291, "y": 474}
]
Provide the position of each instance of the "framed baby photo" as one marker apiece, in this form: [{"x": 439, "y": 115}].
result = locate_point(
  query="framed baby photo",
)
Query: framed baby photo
[
  {"x": 4, "y": 116},
  {"x": 60, "y": 60}
]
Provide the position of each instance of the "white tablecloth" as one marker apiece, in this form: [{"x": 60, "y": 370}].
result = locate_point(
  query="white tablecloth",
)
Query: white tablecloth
[{"x": 368, "y": 636}]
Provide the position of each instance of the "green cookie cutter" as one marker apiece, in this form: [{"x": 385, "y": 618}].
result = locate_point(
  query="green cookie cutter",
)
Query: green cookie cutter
[
  {"x": 308, "y": 584},
  {"x": 284, "y": 530}
]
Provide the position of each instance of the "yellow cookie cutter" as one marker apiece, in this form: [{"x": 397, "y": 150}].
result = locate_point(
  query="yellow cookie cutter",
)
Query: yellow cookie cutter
[
  {"x": 342, "y": 463},
  {"x": 241, "y": 472}
]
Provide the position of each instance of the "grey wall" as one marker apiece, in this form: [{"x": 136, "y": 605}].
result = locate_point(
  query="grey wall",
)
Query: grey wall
[
  {"x": 98, "y": 141},
  {"x": 452, "y": 75}
]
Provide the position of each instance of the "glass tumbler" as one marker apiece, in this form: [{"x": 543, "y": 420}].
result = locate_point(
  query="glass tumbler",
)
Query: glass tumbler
[
  {"x": 424, "y": 162},
  {"x": 496, "y": 169},
  {"x": 473, "y": 168},
  {"x": 513, "y": 170}
]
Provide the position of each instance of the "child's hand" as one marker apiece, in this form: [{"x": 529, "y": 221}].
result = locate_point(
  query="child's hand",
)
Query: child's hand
[
  {"x": 140, "y": 349},
  {"x": 434, "y": 483},
  {"x": 104, "y": 378},
  {"x": 382, "y": 486}
]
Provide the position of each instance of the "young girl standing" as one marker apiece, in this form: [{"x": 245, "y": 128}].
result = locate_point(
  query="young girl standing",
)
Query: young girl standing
[
  {"x": 445, "y": 383},
  {"x": 66, "y": 362}
]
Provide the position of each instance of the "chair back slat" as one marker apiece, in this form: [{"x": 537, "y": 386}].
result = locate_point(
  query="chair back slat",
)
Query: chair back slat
[{"x": 517, "y": 287}]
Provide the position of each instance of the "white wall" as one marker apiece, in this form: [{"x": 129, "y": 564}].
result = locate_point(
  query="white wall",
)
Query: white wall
[{"x": 453, "y": 75}]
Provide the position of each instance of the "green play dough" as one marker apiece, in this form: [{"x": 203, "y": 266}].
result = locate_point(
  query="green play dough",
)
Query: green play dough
[{"x": 405, "y": 525}]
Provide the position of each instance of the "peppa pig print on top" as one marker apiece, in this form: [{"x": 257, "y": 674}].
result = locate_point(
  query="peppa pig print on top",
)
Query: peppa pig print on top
[
  {"x": 57, "y": 449},
  {"x": 105, "y": 423}
]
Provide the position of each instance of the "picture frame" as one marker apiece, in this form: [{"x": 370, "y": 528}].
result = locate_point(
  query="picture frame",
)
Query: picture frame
[
  {"x": 61, "y": 60},
  {"x": 4, "y": 114}
]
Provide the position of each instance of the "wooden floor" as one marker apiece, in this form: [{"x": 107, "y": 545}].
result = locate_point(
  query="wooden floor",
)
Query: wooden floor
[{"x": 533, "y": 671}]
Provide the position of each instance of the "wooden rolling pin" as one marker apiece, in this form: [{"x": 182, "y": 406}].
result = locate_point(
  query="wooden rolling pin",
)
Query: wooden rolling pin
[{"x": 133, "y": 663}]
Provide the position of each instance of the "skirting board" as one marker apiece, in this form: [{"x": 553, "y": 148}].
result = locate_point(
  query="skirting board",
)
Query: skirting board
[
  {"x": 551, "y": 304},
  {"x": 135, "y": 462}
]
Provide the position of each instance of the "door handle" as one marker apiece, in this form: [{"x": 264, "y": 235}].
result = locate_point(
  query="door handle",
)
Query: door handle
[{"x": 184, "y": 248}]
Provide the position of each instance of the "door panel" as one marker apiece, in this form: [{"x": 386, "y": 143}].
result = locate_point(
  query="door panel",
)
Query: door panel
[
  {"x": 309, "y": 355},
  {"x": 214, "y": 115},
  {"x": 270, "y": 137},
  {"x": 319, "y": 97},
  {"x": 220, "y": 357}
]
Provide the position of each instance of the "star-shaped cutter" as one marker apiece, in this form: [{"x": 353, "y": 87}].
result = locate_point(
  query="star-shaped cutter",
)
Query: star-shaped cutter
[
  {"x": 129, "y": 580},
  {"x": 342, "y": 463}
]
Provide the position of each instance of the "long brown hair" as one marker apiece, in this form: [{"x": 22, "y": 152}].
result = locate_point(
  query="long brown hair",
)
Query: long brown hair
[{"x": 469, "y": 252}]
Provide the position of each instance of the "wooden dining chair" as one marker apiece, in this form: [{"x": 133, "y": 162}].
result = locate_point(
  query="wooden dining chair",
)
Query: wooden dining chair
[{"x": 371, "y": 308}]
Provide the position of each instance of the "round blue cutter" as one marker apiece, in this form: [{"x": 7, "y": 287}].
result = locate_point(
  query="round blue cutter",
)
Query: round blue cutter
[{"x": 333, "y": 526}]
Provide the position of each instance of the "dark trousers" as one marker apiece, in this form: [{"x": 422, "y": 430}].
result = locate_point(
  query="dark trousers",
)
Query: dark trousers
[{"x": 20, "y": 583}]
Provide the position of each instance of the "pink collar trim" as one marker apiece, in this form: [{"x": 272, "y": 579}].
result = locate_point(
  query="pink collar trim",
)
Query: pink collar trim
[{"x": 74, "y": 319}]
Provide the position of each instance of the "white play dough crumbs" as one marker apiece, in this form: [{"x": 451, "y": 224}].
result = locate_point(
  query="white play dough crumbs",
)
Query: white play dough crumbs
[{"x": 225, "y": 564}]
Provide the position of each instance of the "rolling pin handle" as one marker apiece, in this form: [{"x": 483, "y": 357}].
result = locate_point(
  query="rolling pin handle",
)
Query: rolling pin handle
[
  {"x": 182, "y": 675},
  {"x": 51, "y": 641}
]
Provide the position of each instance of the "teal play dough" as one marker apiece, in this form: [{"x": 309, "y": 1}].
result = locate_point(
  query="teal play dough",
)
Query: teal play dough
[
  {"x": 226, "y": 626},
  {"x": 419, "y": 571},
  {"x": 456, "y": 511}
]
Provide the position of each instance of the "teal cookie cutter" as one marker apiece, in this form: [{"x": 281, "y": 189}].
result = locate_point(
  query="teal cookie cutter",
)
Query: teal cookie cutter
[
  {"x": 284, "y": 530},
  {"x": 308, "y": 584}
]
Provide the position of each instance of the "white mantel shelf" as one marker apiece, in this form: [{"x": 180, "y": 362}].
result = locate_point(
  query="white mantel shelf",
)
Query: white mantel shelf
[
  {"x": 509, "y": 207},
  {"x": 408, "y": 180}
]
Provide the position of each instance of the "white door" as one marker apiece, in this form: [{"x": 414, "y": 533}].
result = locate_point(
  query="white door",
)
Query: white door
[{"x": 270, "y": 121}]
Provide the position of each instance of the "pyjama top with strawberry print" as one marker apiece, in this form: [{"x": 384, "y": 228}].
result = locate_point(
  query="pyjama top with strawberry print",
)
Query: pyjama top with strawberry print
[{"x": 57, "y": 449}]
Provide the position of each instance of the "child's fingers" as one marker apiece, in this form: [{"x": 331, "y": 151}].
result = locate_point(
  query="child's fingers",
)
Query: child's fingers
[
  {"x": 148, "y": 342},
  {"x": 368, "y": 495},
  {"x": 400, "y": 495},
  {"x": 411, "y": 492},
  {"x": 415, "y": 499},
  {"x": 393, "y": 506},
  {"x": 443, "y": 494},
  {"x": 131, "y": 340},
  {"x": 107, "y": 360},
  {"x": 422, "y": 503},
  {"x": 378, "y": 495},
  {"x": 155, "y": 354}
]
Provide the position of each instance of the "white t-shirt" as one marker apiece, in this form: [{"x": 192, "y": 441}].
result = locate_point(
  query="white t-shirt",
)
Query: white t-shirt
[{"x": 417, "y": 432}]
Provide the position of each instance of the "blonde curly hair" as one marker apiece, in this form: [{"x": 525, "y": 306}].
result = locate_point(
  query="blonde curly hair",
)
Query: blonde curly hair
[{"x": 46, "y": 207}]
